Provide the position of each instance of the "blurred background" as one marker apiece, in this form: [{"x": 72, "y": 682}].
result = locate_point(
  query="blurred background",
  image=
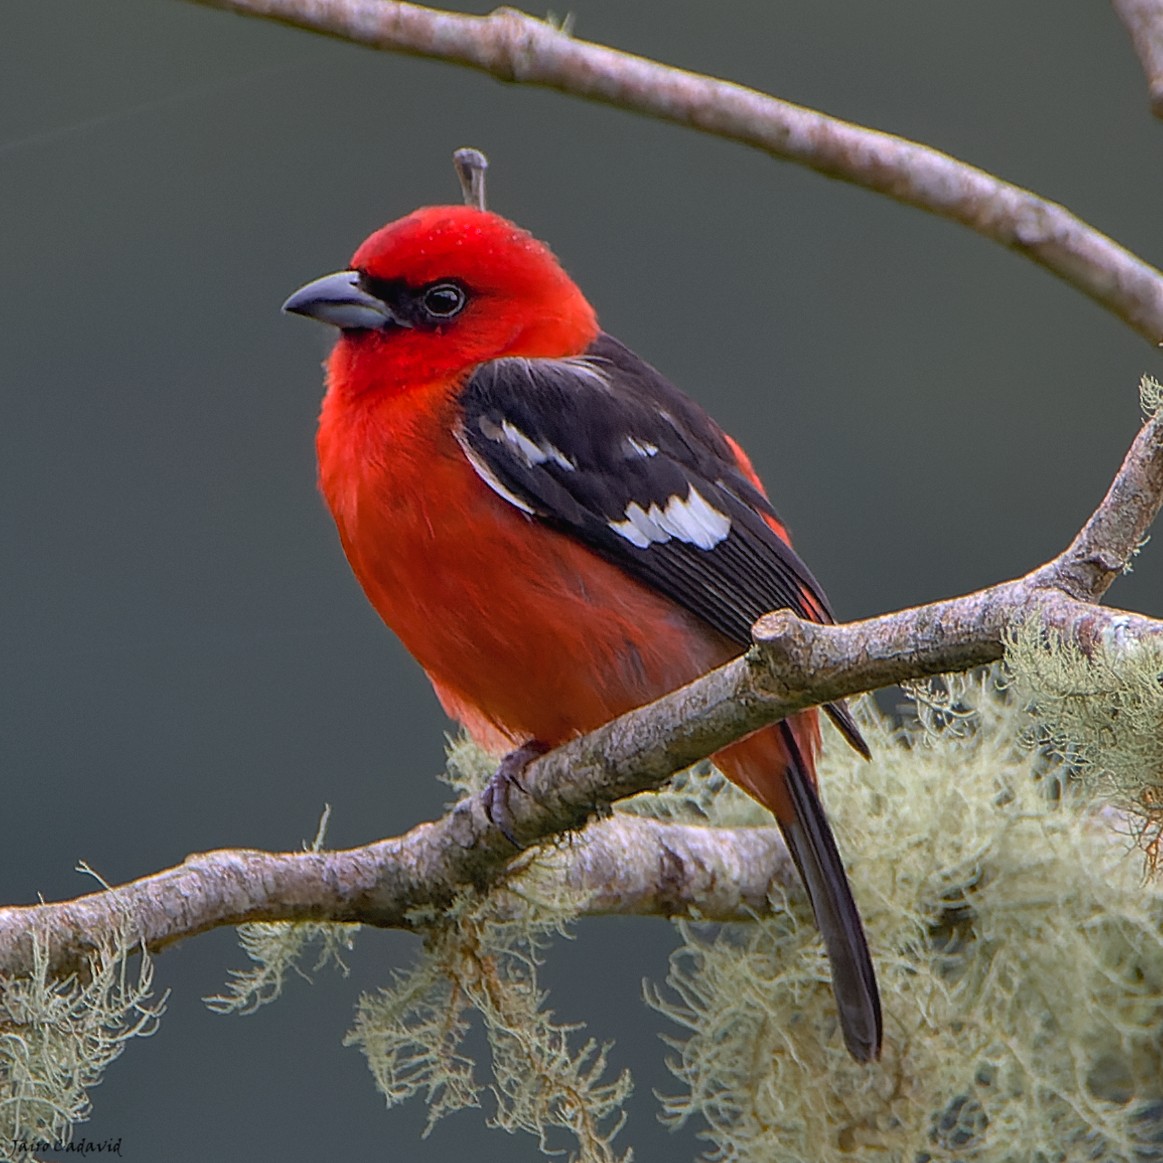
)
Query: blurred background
[{"x": 187, "y": 663}]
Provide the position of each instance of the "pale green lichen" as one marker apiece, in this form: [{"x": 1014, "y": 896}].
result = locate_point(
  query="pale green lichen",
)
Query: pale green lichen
[
  {"x": 411, "y": 1035},
  {"x": 1100, "y": 711},
  {"x": 699, "y": 795},
  {"x": 1019, "y": 956},
  {"x": 1150, "y": 396},
  {"x": 468, "y": 768},
  {"x": 278, "y": 948},
  {"x": 1017, "y": 944},
  {"x": 480, "y": 959},
  {"x": 57, "y": 1038},
  {"x": 542, "y": 1082}
]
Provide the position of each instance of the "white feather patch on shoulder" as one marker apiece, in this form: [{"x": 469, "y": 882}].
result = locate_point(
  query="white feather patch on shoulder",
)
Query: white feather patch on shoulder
[
  {"x": 694, "y": 520},
  {"x": 524, "y": 447},
  {"x": 485, "y": 473}
]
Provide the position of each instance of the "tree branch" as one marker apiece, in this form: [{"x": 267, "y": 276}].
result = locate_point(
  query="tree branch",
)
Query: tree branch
[
  {"x": 514, "y": 47},
  {"x": 1144, "y": 21},
  {"x": 624, "y": 865},
  {"x": 630, "y": 865}
]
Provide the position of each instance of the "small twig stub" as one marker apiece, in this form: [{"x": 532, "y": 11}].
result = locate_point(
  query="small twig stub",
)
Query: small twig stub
[{"x": 471, "y": 167}]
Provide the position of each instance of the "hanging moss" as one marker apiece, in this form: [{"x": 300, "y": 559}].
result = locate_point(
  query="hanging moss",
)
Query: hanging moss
[{"x": 1019, "y": 955}]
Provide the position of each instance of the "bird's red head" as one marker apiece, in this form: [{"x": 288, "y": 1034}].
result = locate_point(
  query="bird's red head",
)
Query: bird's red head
[{"x": 432, "y": 295}]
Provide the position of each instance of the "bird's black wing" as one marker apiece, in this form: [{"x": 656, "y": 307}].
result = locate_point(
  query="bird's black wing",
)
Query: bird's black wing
[{"x": 602, "y": 447}]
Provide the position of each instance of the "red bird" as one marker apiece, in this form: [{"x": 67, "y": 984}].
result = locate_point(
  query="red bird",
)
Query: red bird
[{"x": 555, "y": 532}]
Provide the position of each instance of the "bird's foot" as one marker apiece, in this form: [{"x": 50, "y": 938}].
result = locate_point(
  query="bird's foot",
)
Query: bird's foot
[{"x": 505, "y": 778}]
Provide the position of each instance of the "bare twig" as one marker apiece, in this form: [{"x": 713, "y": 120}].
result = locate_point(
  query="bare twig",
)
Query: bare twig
[
  {"x": 471, "y": 168},
  {"x": 517, "y": 48},
  {"x": 632, "y": 865},
  {"x": 1144, "y": 21}
]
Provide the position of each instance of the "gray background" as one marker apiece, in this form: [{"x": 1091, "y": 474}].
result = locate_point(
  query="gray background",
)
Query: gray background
[{"x": 187, "y": 663}]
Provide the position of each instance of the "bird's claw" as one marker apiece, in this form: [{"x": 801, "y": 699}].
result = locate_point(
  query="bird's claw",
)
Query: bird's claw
[{"x": 505, "y": 778}]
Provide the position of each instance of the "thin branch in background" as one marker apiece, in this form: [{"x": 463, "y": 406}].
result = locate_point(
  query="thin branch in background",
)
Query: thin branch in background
[
  {"x": 1144, "y": 21},
  {"x": 514, "y": 47}
]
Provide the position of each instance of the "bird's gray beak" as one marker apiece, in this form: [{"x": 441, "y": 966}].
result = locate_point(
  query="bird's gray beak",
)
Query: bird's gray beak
[{"x": 339, "y": 299}]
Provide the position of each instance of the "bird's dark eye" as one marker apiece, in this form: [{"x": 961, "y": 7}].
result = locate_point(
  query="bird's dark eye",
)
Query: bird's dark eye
[{"x": 444, "y": 300}]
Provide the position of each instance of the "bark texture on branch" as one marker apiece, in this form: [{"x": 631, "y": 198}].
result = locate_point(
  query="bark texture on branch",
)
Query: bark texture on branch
[
  {"x": 624, "y": 865},
  {"x": 514, "y": 47}
]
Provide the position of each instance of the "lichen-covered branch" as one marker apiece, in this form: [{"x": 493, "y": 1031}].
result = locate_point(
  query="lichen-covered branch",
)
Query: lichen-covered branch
[
  {"x": 514, "y": 47},
  {"x": 1144, "y": 21},
  {"x": 622, "y": 865},
  {"x": 631, "y": 865}
]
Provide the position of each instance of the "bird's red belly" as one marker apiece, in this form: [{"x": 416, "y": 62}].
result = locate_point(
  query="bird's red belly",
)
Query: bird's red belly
[{"x": 522, "y": 636}]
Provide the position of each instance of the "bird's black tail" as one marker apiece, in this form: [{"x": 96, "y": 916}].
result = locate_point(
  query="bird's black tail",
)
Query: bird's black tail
[{"x": 809, "y": 839}]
